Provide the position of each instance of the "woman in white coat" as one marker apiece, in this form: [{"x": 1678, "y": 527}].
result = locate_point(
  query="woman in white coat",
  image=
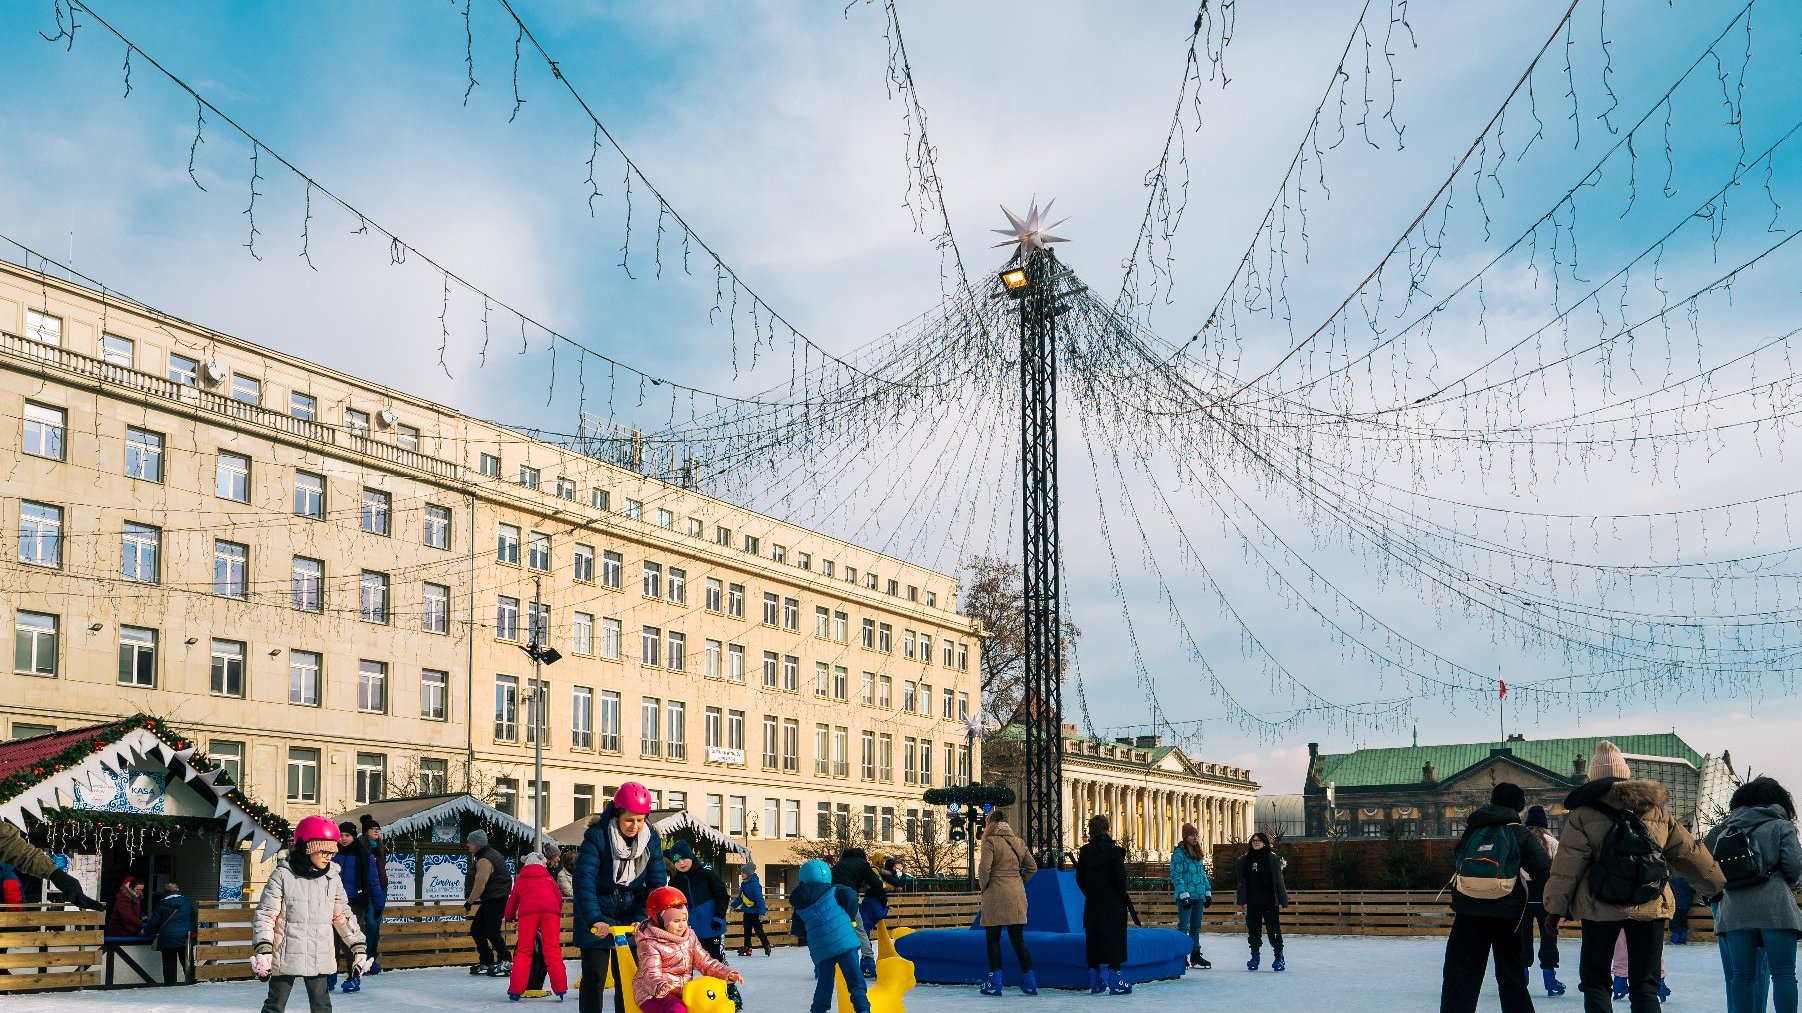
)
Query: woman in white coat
[{"x": 302, "y": 906}]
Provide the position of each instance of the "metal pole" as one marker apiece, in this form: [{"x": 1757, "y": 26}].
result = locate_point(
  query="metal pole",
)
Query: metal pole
[
  {"x": 1043, "y": 629},
  {"x": 537, "y": 717}
]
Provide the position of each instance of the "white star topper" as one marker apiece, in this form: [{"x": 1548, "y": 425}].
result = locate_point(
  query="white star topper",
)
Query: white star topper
[{"x": 1031, "y": 233}]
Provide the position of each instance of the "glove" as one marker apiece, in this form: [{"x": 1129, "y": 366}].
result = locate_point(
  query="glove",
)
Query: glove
[
  {"x": 72, "y": 892},
  {"x": 1207, "y": 899},
  {"x": 261, "y": 964},
  {"x": 360, "y": 966}
]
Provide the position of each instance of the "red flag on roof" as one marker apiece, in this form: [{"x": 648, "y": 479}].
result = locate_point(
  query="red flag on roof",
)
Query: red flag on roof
[{"x": 1503, "y": 694}]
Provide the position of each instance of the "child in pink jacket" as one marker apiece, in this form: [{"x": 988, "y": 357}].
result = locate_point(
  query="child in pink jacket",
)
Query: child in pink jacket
[
  {"x": 669, "y": 954},
  {"x": 537, "y": 901}
]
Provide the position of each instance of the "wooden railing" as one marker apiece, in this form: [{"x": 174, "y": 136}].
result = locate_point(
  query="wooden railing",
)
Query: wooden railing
[{"x": 44, "y": 948}]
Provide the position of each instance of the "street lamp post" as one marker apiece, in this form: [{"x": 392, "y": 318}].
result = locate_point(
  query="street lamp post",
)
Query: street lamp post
[{"x": 542, "y": 654}]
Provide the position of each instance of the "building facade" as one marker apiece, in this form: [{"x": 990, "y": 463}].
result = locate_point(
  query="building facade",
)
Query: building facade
[{"x": 331, "y": 583}]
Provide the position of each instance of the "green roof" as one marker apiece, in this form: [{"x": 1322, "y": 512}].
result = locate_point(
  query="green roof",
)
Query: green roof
[{"x": 1402, "y": 764}]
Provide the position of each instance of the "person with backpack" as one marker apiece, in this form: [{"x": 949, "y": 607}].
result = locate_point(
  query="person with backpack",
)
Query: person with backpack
[
  {"x": 1612, "y": 872},
  {"x": 1539, "y": 825},
  {"x": 1760, "y": 855},
  {"x": 1489, "y": 903}
]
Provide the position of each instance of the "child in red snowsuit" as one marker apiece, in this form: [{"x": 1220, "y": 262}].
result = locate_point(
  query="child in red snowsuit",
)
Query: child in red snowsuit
[{"x": 537, "y": 902}]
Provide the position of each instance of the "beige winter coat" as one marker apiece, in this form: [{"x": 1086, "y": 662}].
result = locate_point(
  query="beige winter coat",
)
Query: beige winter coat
[
  {"x": 1567, "y": 892},
  {"x": 1006, "y": 866},
  {"x": 296, "y": 917}
]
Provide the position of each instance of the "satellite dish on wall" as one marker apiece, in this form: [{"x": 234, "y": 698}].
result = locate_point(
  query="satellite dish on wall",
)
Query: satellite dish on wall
[
  {"x": 386, "y": 417},
  {"x": 215, "y": 371}
]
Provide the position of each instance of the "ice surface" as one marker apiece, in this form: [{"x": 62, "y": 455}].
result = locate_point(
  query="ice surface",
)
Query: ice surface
[{"x": 1346, "y": 974}]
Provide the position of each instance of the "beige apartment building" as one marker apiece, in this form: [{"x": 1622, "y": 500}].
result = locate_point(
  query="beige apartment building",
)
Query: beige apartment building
[{"x": 330, "y": 584}]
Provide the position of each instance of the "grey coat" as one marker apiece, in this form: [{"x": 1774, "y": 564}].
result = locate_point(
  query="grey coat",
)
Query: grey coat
[{"x": 1771, "y": 904}]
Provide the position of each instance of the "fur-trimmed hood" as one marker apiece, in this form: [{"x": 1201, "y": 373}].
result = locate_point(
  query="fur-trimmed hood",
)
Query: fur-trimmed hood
[{"x": 1632, "y": 794}]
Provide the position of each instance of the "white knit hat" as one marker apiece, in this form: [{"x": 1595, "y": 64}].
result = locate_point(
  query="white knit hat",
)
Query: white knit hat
[{"x": 1608, "y": 762}]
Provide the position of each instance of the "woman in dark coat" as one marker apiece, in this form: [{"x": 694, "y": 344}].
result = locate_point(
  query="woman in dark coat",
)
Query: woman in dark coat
[
  {"x": 1101, "y": 876},
  {"x": 1262, "y": 893},
  {"x": 620, "y": 863},
  {"x": 172, "y": 927}
]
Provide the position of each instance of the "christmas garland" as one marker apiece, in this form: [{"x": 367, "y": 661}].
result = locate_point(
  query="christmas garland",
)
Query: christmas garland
[
  {"x": 971, "y": 795},
  {"x": 108, "y": 735}
]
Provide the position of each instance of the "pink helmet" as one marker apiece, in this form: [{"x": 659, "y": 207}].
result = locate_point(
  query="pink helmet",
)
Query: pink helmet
[
  {"x": 315, "y": 828},
  {"x": 633, "y": 797}
]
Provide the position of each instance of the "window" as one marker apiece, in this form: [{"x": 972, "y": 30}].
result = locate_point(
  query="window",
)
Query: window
[
  {"x": 963, "y": 764},
  {"x": 885, "y": 757},
  {"x": 771, "y": 670},
  {"x": 735, "y": 600},
  {"x": 506, "y": 546},
  {"x": 932, "y": 599},
  {"x": 115, "y": 350},
  {"x": 841, "y": 625},
  {"x": 666, "y": 519},
  {"x": 791, "y": 674},
  {"x": 437, "y": 526},
  {"x": 869, "y": 821},
  {"x": 308, "y": 584},
  {"x": 228, "y": 668},
  {"x": 867, "y": 744},
  {"x": 537, "y": 697},
  {"x": 372, "y": 777},
  {"x": 489, "y": 465},
  {"x": 677, "y": 655},
  {"x": 714, "y": 722},
  {"x": 925, "y": 649},
  {"x": 137, "y": 657},
  {"x": 885, "y": 692},
  {"x": 581, "y": 633},
  {"x": 824, "y": 815},
  {"x": 538, "y": 551},
  {"x": 841, "y": 751},
  {"x": 650, "y": 726},
  {"x": 372, "y": 597},
  {"x": 611, "y": 637},
  {"x": 675, "y": 743},
  {"x": 910, "y": 697},
  {"x": 913, "y": 593},
  {"x": 715, "y": 660},
  {"x": 822, "y": 679},
  {"x": 183, "y": 370},
  {"x": 303, "y": 775},
  {"x": 372, "y": 687},
  {"x": 678, "y": 585},
  {"x": 885, "y": 638},
  {"x": 752, "y": 544},
  {"x": 506, "y": 795},
  {"x": 528, "y": 477},
  {"x": 653, "y": 579},
  {"x": 925, "y": 762},
  {"x": 735, "y": 731},
  {"x": 247, "y": 389},
  {"x": 40, "y": 534},
  {"x": 910, "y": 761},
  {"x": 584, "y": 795},
  {"x": 231, "y": 564},
  {"x": 434, "y": 695},
  {"x": 735, "y": 814},
  {"x": 714, "y": 806},
  {"x": 609, "y": 721},
  {"x": 378, "y": 512},
  {"x": 230, "y": 758},
  {"x": 611, "y": 565},
  {"x": 850, "y": 574},
  {"x": 735, "y": 663},
  {"x": 949, "y": 710},
  {"x": 566, "y": 488},
  {"x": 791, "y": 818},
  {"x": 791, "y": 615},
  {"x": 695, "y": 527},
  {"x": 772, "y": 608},
  {"x": 949, "y": 650},
  {"x": 506, "y": 708},
  {"x": 772, "y": 817},
  {"x": 407, "y": 437},
  {"x": 143, "y": 455},
  {"x": 772, "y": 738},
  {"x": 584, "y": 563},
  {"x": 840, "y": 678},
  {"x": 600, "y": 499},
  {"x": 434, "y": 776},
  {"x": 651, "y": 646},
  {"x": 713, "y": 595},
  {"x": 926, "y": 699},
  {"x": 869, "y": 633},
  {"x": 826, "y": 568},
  {"x": 634, "y": 510},
  {"x": 791, "y": 745},
  {"x": 822, "y": 622},
  {"x": 434, "y": 612},
  {"x": 804, "y": 560},
  {"x": 870, "y": 581},
  {"x": 303, "y": 406},
  {"x": 309, "y": 495},
  {"x": 822, "y": 750},
  {"x": 232, "y": 477},
  {"x": 44, "y": 328},
  {"x": 581, "y": 720},
  {"x": 963, "y": 657},
  {"x": 722, "y": 536},
  {"x": 44, "y": 431},
  {"x": 894, "y": 588},
  {"x": 506, "y": 617},
  {"x": 963, "y": 706},
  {"x": 303, "y": 678},
  {"x": 778, "y": 553},
  {"x": 907, "y": 644}
]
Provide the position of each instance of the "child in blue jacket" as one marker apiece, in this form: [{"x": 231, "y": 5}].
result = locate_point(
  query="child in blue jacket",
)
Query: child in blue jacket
[
  {"x": 826, "y": 921},
  {"x": 1189, "y": 881},
  {"x": 750, "y": 904}
]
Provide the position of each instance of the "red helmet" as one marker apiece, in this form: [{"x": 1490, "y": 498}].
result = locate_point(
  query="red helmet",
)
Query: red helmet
[
  {"x": 633, "y": 797},
  {"x": 315, "y": 828},
  {"x": 662, "y": 899}
]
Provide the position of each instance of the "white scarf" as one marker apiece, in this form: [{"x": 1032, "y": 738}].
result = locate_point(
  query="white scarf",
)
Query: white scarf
[{"x": 629, "y": 858}]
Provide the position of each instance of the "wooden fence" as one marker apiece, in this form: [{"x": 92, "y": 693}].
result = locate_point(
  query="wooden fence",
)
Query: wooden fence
[{"x": 44, "y": 948}]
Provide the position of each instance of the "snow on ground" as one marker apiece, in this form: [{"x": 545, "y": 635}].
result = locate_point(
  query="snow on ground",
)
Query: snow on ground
[{"x": 1356, "y": 974}]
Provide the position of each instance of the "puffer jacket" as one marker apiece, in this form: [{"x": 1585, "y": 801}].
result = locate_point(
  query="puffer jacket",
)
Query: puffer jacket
[
  {"x": 1567, "y": 892},
  {"x": 665, "y": 957},
  {"x": 1772, "y": 903},
  {"x": 750, "y": 897},
  {"x": 853, "y": 870},
  {"x": 172, "y": 921},
  {"x": 1535, "y": 864},
  {"x": 706, "y": 898},
  {"x": 1005, "y": 870},
  {"x": 825, "y": 915},
  {"x": 21, "y": 854},
  {"x": 296, "y": 916},
  {"x": 535, "y": 892},
  {"x": 598, "y": 899},
  {"x": 1189, "y": 875}
]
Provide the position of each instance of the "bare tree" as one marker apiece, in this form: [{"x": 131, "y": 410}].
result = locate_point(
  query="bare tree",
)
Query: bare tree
[
  {"x": 995, "y": 598},
  {"x": 932, "y": 854}
]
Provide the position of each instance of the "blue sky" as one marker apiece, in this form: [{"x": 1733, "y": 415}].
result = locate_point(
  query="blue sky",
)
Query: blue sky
[{"x": 770, "y": 128}]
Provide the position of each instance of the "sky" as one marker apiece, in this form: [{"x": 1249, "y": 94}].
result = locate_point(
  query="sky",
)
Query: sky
[{"x": 772, "y": 129}]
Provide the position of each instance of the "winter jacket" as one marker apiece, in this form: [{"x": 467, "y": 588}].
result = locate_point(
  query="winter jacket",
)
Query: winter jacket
[
  {"x": 897, "y": 884},
  {"x": 1002, "y": 876},
  {"x": 1772, "y": 903},
  {"x": 11, "y": 890},
  {"x": 825, "y": 919},
  {"x": 368, "y": 878},
  {"x": 853, "y": 870},
  {"x": 534, "y": 893},
  {"x": 1101, "y": 876},
  {"x": 1536, "y": 884},
  {"x": 566, "y": 882},
  {"x": 489, "y": 879},
  {"x": 125, "y": 915},
  {"x": 296, "y": 916},
  {"x": 172, "y": 922},
  {"x": 1260, "y": 879},
  {"x": 1190, "y": 876},
  {"x": 664, "y": 956},
  {"x": 597, "y": 899},
  {"x": 22, "y": 855},
  {"x": 1534, "y": 863},
  {"x": 1683, "y": 896},
  {"x": 706, "y": 899},
  {"x": 750, "y": 897},
  {"x": 1567, "y": 892}
]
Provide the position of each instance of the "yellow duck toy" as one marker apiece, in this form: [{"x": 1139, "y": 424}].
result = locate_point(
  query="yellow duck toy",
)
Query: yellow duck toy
[
  {"x": 700, "y": 995},
  {"x": 894, "y": 976}
]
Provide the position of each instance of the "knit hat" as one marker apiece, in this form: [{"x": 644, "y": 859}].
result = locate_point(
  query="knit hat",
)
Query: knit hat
[
  {"x": 347, "y": 827},
  {"x": 679, "y": 852},
  {"x": 1190, "y": 831},
  {"x": 369, "y": 822},
  {"x": 1536, "y": 817},
  {"x": 1607, "y": 762},
  {"x": 479, "y": 838},
  {"x": 532, "y": 858},
  {"x": 1508, "y": 795},
  {"x": 552, "y": 851},
  {"x": 814, "y": 871},
  {"x": 748, "y": 869},
  {"x": 662, "y": 899}
]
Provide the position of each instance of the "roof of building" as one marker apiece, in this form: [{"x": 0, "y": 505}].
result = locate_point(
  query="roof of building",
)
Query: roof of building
[
  {"x": 401, "y": 817},
  {"x": 1402, "y": 764}
]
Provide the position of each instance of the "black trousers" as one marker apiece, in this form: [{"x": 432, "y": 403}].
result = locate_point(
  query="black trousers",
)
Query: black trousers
[
  {"x": 754, "y": 923},
  {"x": 1548, "y": 937},
  {"x": 485, "y": 929},
  {"x": 594, "y": 981},
  {"x": 318, "y": 999},
  {"x": 1645, "y": 954},
  {"x": 174, "y": 962},
  {"x": 1264, "y": 915},
  {"x": 1473, "y": 941},
  {"x": 1016, "y": 936}
]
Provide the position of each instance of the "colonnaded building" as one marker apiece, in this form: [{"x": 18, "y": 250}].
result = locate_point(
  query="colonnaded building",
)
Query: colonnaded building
[{"x": 329, "y": 583}]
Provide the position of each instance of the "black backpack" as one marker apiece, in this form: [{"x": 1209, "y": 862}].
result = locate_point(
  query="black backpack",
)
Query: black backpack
[
  {"x": 1628, "y": 869},
  {"x": 1740, "y": 860}
]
